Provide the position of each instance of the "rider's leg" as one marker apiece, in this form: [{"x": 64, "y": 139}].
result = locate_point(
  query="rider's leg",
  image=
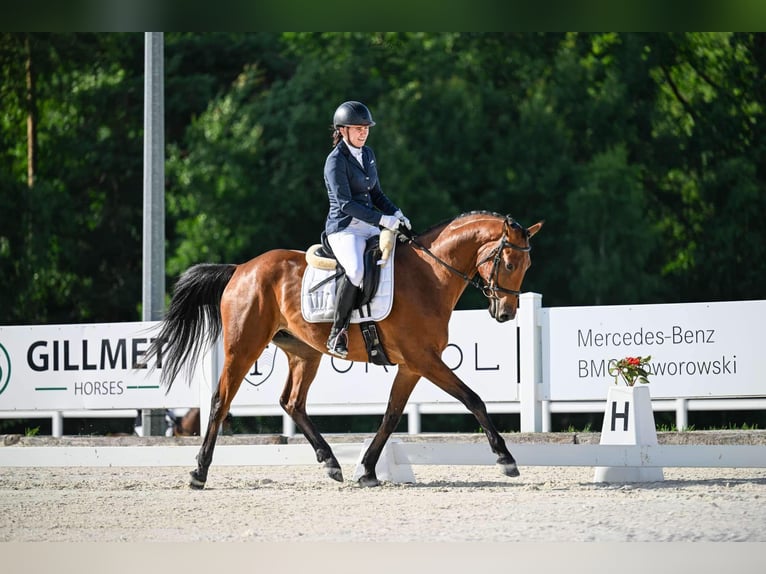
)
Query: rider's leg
[
  {"x": 348, "y": 247},
  {"x": 345, "y": 298}
]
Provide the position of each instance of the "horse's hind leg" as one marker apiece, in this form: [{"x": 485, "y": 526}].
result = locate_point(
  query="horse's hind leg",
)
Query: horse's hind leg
[
  {"x": 401, "y": 390},
  {"x": 205, "y": 455},
  {"x": 303, "y": 363},
  {"x": 233, "y": 373}
]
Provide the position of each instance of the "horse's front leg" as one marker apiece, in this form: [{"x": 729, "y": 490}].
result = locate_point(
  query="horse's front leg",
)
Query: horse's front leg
[
  {"x": 445, "y": 379},
  {"x": 302, "y": 370},
  {"x": 401, "y": 390}
]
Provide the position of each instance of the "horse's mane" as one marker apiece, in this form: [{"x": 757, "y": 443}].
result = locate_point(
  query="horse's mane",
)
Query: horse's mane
[{"x": 446, "y": 222}]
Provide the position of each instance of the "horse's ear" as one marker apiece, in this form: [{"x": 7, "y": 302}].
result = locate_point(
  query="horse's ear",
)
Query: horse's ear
[{"x": 535, "y": 228}]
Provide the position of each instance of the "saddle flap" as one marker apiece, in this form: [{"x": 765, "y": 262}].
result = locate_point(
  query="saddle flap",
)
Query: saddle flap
[
  {"x": 321, "y": 256},
  {"x": 318, "y": 293},
  {"x": 371, "y": 279}
]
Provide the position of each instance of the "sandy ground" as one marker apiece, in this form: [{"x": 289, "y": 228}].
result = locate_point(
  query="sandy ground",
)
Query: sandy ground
[{"x": 447, "y": 504}]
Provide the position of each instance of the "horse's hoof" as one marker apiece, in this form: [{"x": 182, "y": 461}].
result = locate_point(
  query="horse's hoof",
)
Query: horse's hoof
[
  {"x": 369, "y": 481},
  {"x": 335, "y": 473},
  {"x": 195, "y": 482},
  {"x": 510, "y": 469}
]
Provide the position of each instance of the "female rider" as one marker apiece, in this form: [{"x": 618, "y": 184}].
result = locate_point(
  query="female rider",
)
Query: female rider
[{"x": 358, "y": 207}]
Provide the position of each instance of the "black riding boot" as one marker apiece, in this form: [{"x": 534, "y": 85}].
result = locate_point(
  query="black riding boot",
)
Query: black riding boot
[{"x": 345, "y": 297}]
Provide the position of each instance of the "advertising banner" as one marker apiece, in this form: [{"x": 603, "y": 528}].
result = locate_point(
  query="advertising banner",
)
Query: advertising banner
[
  {"x": 696, "y": 349},
  {"x": 481, "y": 351},
  {"x": 88, "y": 366}
]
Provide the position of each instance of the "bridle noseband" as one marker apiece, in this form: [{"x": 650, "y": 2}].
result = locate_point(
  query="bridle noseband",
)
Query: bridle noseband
[{"x": 489, "y": 290}]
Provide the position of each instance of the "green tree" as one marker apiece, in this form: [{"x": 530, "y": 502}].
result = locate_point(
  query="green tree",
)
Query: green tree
[
  {"x": 71, "y": 248},
  {"x": 644, "y": 153},
  {"x": 712, "y": 89}
]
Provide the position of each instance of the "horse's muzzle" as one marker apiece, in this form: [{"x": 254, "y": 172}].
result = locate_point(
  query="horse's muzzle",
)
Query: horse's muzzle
[
  {"x": 503, "y": 317},
  {"x": 501, "y": 313}
]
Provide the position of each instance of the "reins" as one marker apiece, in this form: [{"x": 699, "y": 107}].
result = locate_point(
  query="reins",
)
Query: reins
[
  {"x": 478, "y": 283},
  {"x": 489, "y": 289}
]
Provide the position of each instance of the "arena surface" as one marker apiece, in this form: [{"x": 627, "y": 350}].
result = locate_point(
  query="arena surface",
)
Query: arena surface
[{"x": 446, "y": 504}]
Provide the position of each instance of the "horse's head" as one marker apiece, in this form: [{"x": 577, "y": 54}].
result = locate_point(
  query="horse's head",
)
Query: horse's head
[{"x": 502, "y": 265}]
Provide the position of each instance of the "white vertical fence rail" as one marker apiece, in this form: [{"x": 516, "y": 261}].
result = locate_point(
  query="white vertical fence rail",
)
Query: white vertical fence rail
[{"x": 530, "y": 362}]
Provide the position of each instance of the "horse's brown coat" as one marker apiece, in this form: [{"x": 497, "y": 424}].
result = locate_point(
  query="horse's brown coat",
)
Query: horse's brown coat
[{"x": 261, "y": 303}]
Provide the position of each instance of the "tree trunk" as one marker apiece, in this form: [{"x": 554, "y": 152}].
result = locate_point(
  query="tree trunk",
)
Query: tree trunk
[{"x": 31, "y": 102}]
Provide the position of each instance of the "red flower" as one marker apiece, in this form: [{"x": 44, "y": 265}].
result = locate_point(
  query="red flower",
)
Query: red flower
[{"x": 630, "y": 369}]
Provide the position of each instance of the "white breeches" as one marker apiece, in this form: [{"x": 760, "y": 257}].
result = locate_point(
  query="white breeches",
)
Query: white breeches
[{"x": 348, "y": 246}]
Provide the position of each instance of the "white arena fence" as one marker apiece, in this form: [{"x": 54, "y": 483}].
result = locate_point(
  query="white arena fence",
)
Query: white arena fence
[
  {"x": 705, "y": 356},
  {"x": 398, "y": 458}
]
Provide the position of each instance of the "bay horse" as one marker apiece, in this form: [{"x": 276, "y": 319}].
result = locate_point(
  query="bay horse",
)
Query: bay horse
[{"x": 257, "y": 302}]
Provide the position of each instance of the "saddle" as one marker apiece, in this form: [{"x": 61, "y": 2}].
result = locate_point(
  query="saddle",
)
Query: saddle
[
  {"x": 374, "y": 300},
  {"x": 372, "y": 254}
]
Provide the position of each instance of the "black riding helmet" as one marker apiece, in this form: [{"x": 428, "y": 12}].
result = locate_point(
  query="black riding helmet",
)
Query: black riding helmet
[{"x": 352, "y": 114}]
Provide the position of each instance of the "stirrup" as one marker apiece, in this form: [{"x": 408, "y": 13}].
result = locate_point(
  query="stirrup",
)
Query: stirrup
[{"x": 337, "y": 344}]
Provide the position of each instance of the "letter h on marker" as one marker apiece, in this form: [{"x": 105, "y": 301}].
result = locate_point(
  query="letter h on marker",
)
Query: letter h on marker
[{"x": 623, "y": 416}]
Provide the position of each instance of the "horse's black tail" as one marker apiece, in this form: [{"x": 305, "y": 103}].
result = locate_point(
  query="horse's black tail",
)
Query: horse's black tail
[{"x": 193, "y": 321}]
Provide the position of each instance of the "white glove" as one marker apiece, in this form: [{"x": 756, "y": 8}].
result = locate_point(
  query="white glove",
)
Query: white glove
[
  {"x": 400, "y": 216},
  {"x": 389, "y": 222}
]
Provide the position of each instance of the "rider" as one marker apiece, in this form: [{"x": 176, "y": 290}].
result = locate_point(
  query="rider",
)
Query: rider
[{"x": 353, "y": 188}]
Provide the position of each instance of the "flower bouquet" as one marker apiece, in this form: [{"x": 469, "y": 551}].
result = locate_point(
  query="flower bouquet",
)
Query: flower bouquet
[{"x": 632, "y": 370}]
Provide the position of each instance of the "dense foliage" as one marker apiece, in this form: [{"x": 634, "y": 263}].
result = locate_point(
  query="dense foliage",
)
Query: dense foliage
[{"x": 644, "y": 153}]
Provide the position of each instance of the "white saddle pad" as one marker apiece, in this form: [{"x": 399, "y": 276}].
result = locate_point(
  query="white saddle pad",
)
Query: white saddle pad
[{"x": 319, "y": 306}]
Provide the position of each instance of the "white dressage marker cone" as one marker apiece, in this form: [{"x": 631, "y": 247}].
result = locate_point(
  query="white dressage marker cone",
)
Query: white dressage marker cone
[
  {"x": 387, "y": 469},
  {"x": 628, "y": 420}
]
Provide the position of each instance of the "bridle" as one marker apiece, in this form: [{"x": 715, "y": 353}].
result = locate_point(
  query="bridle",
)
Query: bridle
[{"x": 490, "y": 289}]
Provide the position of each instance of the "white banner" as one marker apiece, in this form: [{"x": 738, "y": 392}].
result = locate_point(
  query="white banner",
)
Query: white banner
[
  {"x": 697, "y": 349},
  {"x": 89, "y": 366},
  {"x": 481, "y": 351}
]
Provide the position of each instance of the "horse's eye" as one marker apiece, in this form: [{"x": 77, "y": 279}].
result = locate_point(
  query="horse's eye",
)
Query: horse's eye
[{"x": 509, "y": 266}]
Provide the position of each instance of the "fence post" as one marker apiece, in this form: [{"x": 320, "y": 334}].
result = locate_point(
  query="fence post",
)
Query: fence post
[
  {"x": 530, "y": 362},
  {"x": 288, "y": 425},
  {"x": 208, "y": 378},
  {"x": 413, "y": 419},
  {"x": 57, "y": 424},
  {"x": 682, "y": 413},
  {"x": 546, "y": 410}
]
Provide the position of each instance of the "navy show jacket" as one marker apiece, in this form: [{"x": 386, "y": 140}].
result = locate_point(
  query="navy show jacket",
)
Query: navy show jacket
[{"x": 353, "y": 191}]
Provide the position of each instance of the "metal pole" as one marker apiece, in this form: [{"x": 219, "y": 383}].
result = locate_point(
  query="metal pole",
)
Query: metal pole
[{"x": 153, "y": 420}]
